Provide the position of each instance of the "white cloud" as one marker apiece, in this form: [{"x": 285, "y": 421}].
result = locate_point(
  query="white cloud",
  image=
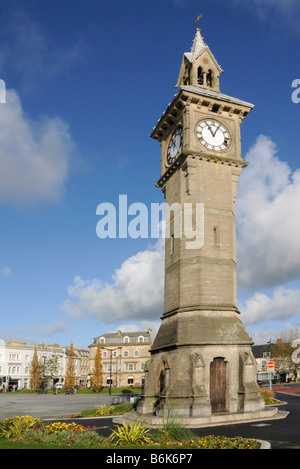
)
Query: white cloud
[
  {"x": 6, "y": 271},
  {"x": 33, "y": 334},
  {"x": 140, "y": 326},
  {"x": 26, "y": 49},
  {"x": 264, "y": 334},
  {"x": 284, "y": 304},
  {"x": 136, "y": 291},
  {"x": 285, "y": 10},
  {"x": 268, "y": 254},
  {"x": 34, "y": 155},
  {"x": 268, "y": 219}
]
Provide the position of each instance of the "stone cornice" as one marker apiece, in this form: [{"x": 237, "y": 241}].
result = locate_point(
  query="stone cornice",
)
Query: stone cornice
[
  {"x": 213, "y": 158},
  {"x": 200, "y": 97}
]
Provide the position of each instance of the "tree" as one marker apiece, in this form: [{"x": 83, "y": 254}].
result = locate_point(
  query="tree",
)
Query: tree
[
  {"x": 70, "y": 373},
  {"x": 35, "y": 382},
  {"x": 97, "y": 380},
  {"x": 49, "y": 367},
  {"x": 282, "y": 352}
]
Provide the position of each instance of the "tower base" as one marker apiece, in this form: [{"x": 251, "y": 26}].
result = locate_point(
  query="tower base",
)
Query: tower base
[
  {"x": 203, "y": 422},
  {"x": 209, "y": 370}
]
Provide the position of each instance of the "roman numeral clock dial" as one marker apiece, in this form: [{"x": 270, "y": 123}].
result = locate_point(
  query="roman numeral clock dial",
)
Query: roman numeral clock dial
[
  {"x": 213, "y": 135},
  {"x": 175, "y": 145}
]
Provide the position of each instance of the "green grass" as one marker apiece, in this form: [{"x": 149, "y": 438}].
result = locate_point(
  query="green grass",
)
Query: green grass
[
  {"x": 122, "y": 390},
  {"x": 8, "y": 444}
]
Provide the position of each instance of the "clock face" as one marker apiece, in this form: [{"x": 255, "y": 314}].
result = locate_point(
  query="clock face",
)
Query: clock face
[
  {"x": 213, "y": 135},
  {"x": 175, "y": 145}
]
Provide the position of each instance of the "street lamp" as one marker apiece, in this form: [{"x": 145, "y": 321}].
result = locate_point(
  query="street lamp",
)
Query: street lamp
[{"x": 110, "y": 379}]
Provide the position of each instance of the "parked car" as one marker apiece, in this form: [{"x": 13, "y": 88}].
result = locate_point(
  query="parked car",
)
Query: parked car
[{"x": 59, "y": 385}]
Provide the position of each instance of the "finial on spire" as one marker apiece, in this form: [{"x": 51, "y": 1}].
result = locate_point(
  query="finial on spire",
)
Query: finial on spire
[{"x": 197, "y": 20}]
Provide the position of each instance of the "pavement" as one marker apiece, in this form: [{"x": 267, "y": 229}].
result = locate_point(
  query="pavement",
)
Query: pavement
[{"x": 48, "y": 406}]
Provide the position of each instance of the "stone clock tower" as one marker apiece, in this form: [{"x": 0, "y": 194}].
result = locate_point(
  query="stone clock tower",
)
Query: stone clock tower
[{"x": 201, "y": 360}]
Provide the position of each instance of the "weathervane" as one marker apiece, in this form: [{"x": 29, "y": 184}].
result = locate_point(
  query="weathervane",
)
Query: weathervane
[{"x": 197, "y": 20}]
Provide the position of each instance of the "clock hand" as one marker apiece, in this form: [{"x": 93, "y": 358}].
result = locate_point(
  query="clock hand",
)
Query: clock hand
[
  {"x": 216, "y": 130},
  {"x": 210, "y": 129}
]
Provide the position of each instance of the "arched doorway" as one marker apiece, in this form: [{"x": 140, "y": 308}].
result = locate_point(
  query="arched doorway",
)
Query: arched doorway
[{"x": 218, "y": 385}]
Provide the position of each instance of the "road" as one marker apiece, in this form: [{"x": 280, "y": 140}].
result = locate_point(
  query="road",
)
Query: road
[
  {"x": 282, "y": 434},
  {"x": 47, "y": 406}
]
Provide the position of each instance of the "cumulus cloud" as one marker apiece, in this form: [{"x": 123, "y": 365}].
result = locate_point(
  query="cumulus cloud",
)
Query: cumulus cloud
[
  {"x": 287, "y": 10},
  {"x": 268, "y": 225},
  {"x": 34, "y": 155},
  {"x": 268, "y": 219},
  {"x": 135, "y": 293},
  {"x": 26, "y": 49},
  {"x": 268, "y": 254},
  {"x": 283, "y": 304},
  {"x": 34, "y": 333}
]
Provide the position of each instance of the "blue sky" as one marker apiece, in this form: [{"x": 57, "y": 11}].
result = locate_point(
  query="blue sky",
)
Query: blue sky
[{"x": 86, "y": 81}]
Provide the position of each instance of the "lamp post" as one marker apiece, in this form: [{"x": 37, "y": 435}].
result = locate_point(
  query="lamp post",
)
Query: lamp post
[
  {"x": 271, "y": 372},
  {"x": 110, "y": 379}
]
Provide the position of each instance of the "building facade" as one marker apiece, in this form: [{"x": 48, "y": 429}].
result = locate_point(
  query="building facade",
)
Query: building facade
[
  {"x": 82, "y": 367},
  {"x": 123, "y": 357},
  {"x": 16, "y": 358}
]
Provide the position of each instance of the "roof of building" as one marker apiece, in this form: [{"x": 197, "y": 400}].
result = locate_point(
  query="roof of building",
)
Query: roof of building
[
  {"x": 259, "y": 350},
  {"x": 118, "y": 337},
  {"x": 215, "y": 94}
]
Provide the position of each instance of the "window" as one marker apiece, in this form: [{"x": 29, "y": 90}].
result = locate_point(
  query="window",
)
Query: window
[
  {"x": 141, "y": 338},
  {"x": 126, "y": 339},
  {"x": 110, "y": 368},
  {"x": 130, "y": 380},
  {"x": 104, "y": 354},
  {"x": 172, "y": 244},
  {"x": 215, "y": 237},
  {"x": 209, "y": 79},
  {"x": 143, "y": 366},
  {"x": 102, "y": 340},
  {"x": 136, "y": 353},
  {"x": 14, "y": 356},
  {"x": 200, "y": 76},
  {"x": 125, "y": 353},
  {"x": 130, "y": 366}
]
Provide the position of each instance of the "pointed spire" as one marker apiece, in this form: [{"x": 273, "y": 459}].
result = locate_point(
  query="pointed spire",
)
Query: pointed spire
[{"x": 198, "y": 45}]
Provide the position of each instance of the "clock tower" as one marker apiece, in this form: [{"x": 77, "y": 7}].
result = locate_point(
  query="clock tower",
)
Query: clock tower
[{"x": 201, "y": 360}]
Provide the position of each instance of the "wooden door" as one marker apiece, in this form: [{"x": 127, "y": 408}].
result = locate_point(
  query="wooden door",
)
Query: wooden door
[{"x": 218, "y": 385}]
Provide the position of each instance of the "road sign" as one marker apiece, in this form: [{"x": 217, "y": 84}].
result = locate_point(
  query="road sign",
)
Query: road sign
[{"x": 271, "y": 367}]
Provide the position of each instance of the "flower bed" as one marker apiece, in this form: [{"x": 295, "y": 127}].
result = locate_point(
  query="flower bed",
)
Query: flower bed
[
  {"x": 29, "y": 430},
  {"x": 269, "y": 398}
]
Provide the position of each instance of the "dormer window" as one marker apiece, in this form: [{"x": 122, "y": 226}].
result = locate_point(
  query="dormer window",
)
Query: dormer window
[{"x": 126, "y": 339}]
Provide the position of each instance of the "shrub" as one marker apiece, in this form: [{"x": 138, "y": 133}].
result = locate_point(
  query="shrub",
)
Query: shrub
[
  {"x": 267, "y": 393},
  {"x": 172, "y": 431},
  {"x": 133, "y": 434},
  {"x": 114, "y": 409},
  {"x": 14, "y": 426}
]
